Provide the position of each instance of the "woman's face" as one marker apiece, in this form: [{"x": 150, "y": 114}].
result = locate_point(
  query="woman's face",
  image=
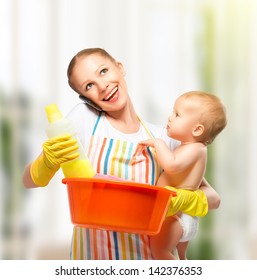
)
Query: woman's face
[{"x": 101, "y": 80}]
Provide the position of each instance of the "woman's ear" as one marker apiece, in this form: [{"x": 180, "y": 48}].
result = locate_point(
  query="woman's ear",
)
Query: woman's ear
[
  {"x": 121, "y": 67},
  {"x": 198, "y": 130}
]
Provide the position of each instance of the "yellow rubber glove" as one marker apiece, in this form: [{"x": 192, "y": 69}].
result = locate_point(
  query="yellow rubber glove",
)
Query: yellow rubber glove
[
  {"x": 56, "y": 151},
  {"x": 193, "y": 203}
]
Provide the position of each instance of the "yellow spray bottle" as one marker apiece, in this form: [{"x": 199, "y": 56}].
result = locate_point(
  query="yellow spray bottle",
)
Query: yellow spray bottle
[{"x": 79, "y": 167}]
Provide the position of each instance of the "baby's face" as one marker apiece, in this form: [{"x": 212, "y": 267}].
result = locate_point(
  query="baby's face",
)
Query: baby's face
[{"x": 186, "y": 114}]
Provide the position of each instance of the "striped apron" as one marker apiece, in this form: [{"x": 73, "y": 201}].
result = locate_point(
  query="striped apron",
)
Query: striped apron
[{"x": 112, "y": 157}]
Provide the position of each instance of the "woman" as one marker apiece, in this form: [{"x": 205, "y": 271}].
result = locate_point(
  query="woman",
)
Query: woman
[{"x": 109, "y": 129}]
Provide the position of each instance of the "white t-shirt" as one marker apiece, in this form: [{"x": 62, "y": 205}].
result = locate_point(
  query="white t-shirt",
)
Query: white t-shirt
[{"x": 84, "y": 119}]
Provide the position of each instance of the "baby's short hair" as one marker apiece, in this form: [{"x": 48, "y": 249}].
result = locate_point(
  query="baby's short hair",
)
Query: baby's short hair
[{"x": 213, "y": 114}]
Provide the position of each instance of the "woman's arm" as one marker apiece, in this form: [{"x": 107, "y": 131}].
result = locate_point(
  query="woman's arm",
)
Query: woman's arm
[
  {"x": 213, "y": 197},
  {"x": 27, "y": 179}
]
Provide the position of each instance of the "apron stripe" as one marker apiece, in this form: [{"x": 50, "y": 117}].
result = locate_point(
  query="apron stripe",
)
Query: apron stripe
[
  {"x": 131, "y": 251},
  {"x": 126, "y": 175},
  {"x": 88, "y": 244},
  {"x": 146, "y": 247},
  {"x": 90, "y": 146},
  {"x": 139, "y": 257},
  {"x": 96, "y": 124},
  {"x": 145, "y": 152},
  {"x": 81, "y": 255},
  {"x": 152, "y": 167},
  {"x": 122, "y": 159},
  {"x": 109, "y": 245},
  {"x": 123, "y": 246},
  {"x": 100, "y": 156},
  {"x": 116, "y": 247},
  {"x": 133, "y": 172},
  {"x": 114, "y": 157},
  {"x": 95, "y": 153},
  {"x": 95, "y": 241},
  {"x": 103, "y": 244},
  {"x": 84, "y": 243},
  {"x": 105, "y": 171}
]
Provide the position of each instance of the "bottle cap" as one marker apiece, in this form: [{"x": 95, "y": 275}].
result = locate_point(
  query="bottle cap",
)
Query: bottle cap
[{"x": 53, "y": 113}]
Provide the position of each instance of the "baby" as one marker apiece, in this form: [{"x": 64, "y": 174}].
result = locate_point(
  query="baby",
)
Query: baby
[{"x": 197, "y": 118}]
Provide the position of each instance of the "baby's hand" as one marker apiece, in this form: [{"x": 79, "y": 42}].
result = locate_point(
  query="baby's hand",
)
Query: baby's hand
[
  {"x": 138, "y": 154},
  {"x": 146, "y": 143}
]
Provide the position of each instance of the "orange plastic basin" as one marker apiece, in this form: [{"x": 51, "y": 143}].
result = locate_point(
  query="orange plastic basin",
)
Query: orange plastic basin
[{"x": 117, "y": 205}]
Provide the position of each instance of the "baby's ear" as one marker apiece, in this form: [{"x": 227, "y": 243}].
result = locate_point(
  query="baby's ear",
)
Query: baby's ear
[{"x": 198, "y": 130}]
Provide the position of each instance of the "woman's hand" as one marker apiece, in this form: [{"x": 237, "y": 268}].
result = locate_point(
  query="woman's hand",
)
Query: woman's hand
[
  {"x": 193, "y": 203},
  {"x": 59, "y": 149},
  {"x": 56, "y": 151}
]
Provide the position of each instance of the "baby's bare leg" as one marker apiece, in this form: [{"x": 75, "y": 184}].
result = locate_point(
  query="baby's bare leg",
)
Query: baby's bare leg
[
  {"x": 182, "y": 249},
  {"x": 163, "y": 244}
]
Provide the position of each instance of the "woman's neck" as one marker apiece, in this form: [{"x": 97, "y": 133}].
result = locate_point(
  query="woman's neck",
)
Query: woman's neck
[{"x": 125, "y": 120}]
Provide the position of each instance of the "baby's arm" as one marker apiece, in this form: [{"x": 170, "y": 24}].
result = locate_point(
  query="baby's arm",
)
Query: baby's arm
[
  {"x": 173, "y": 161},
  {"x": 163, "y": 152}
]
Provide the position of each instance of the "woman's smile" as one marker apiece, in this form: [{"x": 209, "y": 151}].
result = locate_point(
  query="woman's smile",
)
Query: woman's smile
[{"x": 112, "y": 96}]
